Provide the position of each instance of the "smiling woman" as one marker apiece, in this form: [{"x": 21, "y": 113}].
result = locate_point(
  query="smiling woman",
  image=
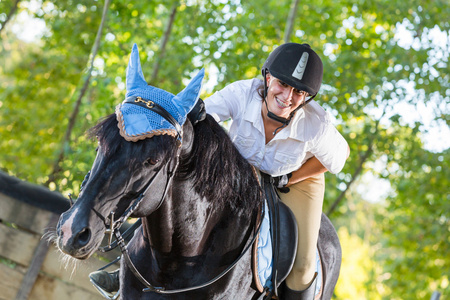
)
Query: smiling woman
[{"x": 281, "y": 131}]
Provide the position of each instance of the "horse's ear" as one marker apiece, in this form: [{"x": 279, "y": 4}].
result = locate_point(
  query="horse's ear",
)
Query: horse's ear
[
  {"x": 135, "y": 78},
  {"x": 187, "y": 98}
]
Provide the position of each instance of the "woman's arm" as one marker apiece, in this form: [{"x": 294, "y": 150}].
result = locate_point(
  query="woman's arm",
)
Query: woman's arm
[{"x": 311, "y": 167}]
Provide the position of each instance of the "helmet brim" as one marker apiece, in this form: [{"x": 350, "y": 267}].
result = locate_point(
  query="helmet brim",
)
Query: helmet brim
[{"x": 292, "y": 82}]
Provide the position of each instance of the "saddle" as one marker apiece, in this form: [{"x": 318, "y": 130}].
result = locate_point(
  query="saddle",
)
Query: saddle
[
  {"x": 275, "y": 248},
  {"x": 262, "y": 258}
]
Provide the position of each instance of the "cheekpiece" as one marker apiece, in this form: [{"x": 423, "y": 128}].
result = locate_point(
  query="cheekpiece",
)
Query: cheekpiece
[{"x": 138, "y": 122}]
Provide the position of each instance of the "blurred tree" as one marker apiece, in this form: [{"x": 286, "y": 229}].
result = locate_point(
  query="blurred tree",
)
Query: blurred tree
[
  {"x": 56, "y": 169},
  {"x": 6, "y": 17}
]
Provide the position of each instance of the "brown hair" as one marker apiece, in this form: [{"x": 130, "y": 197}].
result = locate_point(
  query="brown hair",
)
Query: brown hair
[{"x": 260, "y": 90}]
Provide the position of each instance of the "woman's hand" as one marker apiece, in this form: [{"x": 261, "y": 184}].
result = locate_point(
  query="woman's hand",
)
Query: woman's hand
[{"x": 280, "y": 182}]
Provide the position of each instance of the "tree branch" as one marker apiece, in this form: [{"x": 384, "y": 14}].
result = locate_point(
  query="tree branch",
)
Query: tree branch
[
  {"x": 10, "y": 14},
  {"x": 56, "y": 169},
  {"x": 358, "y": 170},
  {"x": 162, "y": 49},
  {"x": 290, "y": 22},
  {"x": 354, "y": 176}
]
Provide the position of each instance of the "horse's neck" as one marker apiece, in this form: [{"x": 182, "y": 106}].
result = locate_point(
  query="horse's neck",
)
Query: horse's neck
[{"x": 187, "y": 224}]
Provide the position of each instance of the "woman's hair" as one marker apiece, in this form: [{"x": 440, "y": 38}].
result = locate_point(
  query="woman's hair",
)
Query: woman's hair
[{"x": 260, "y": 90}]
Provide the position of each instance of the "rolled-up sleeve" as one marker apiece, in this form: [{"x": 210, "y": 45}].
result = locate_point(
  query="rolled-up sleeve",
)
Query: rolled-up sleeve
[
  {"x": 222, "y": 105},
  {"x": 230, "y": 101},
  {"x": 331, "y": 149}
]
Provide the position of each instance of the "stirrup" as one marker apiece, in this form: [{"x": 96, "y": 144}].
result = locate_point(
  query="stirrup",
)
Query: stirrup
[
  {"x": 307, "y": 294},
  {"x": 105, "y": 294}
]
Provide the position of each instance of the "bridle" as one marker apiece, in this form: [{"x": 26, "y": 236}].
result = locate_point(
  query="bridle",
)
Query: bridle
[
  {"x": 114, "y": 225},
  {"x": 155, "y": 107}
]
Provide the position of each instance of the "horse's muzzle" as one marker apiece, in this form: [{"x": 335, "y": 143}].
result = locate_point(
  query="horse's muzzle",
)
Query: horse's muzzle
[{"x": 74, "y": 236}]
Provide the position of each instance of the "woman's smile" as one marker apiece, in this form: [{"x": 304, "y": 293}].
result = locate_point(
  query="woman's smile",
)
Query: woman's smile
[{"x": 282, "y": 104}]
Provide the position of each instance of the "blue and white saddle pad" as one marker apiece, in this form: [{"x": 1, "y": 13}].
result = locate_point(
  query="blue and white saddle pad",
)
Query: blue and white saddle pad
[{"x": 264, "y": 252}]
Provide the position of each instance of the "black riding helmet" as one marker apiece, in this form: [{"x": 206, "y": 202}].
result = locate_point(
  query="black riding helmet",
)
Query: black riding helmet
[{"x": 298, "y": 66}]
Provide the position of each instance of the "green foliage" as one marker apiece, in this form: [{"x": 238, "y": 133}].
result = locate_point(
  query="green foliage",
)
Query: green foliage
[
  {"x": 370, "y": 71},
  {"x": 417, "y": 225},
  {"x": 358, "y": 268},
  {"x": 9, "y": 263}
]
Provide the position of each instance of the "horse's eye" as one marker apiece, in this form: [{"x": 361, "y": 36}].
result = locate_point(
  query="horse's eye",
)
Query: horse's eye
[{"x": 151, "y": 162}]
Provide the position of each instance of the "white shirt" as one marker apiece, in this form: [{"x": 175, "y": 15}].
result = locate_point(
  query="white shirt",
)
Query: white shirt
[{"x": 310, "y": 132}]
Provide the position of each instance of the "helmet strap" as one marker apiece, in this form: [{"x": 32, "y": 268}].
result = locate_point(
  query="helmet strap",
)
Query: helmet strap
[{"x": 270, "y": 114}]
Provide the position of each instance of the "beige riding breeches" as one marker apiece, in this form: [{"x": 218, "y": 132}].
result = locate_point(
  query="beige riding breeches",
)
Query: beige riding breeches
[{"x": 305, "y": 199}]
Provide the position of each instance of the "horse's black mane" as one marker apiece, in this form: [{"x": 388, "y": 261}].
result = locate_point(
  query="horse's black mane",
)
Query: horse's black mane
[
  {"x": 108, "y": 134},
  {"x": 218, "y": 170}
]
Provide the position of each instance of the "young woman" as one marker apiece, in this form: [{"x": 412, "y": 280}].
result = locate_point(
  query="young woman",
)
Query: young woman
[{"x": 282, "y": 131}]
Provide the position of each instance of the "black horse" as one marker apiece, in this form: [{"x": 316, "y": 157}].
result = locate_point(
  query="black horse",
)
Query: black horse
[{"x": 199, "y": 201}]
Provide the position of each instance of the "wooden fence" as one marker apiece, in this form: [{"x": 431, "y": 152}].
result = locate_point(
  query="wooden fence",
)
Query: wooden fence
[{"x": 30, "y": 267}]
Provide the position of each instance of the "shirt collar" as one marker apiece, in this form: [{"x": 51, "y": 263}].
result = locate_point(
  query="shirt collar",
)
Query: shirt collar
[
  {"x": 296, "y": 129},
  {"x": 308, "y": 122}
]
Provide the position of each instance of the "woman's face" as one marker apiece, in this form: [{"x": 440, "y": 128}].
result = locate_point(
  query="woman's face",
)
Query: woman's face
[{"x": 282, "y": 98}]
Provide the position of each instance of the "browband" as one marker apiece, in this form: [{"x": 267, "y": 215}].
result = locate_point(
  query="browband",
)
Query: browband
[{"x": 155, "y": 107}]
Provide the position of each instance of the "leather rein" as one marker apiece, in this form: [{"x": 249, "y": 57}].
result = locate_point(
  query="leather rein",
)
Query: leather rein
[{"x": 114, "y": 225}]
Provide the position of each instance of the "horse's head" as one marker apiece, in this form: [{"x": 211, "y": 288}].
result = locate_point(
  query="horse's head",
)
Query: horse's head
[{"x": 137, "y": 154}]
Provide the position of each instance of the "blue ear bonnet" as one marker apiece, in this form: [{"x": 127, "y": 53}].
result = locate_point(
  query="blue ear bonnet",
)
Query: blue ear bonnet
[{"x": 137, "y": 122}]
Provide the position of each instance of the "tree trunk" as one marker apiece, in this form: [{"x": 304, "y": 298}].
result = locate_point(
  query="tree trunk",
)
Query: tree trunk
[
  {"x": 10, "y": 15},
  {"x": 354, "y": 176},
  {"x": 290, "y": 21},
  {"x": 56, "y": 170},
  {"x": 164, "y": 41}
]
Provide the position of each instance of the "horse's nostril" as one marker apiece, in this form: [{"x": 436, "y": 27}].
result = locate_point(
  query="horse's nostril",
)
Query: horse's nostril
[{"x": 83, "y": 237}]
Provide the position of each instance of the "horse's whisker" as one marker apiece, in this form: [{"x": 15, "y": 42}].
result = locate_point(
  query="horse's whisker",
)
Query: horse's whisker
[
  {"x": 68, "y": 262},
  {"x": 50, "y": 235}
]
